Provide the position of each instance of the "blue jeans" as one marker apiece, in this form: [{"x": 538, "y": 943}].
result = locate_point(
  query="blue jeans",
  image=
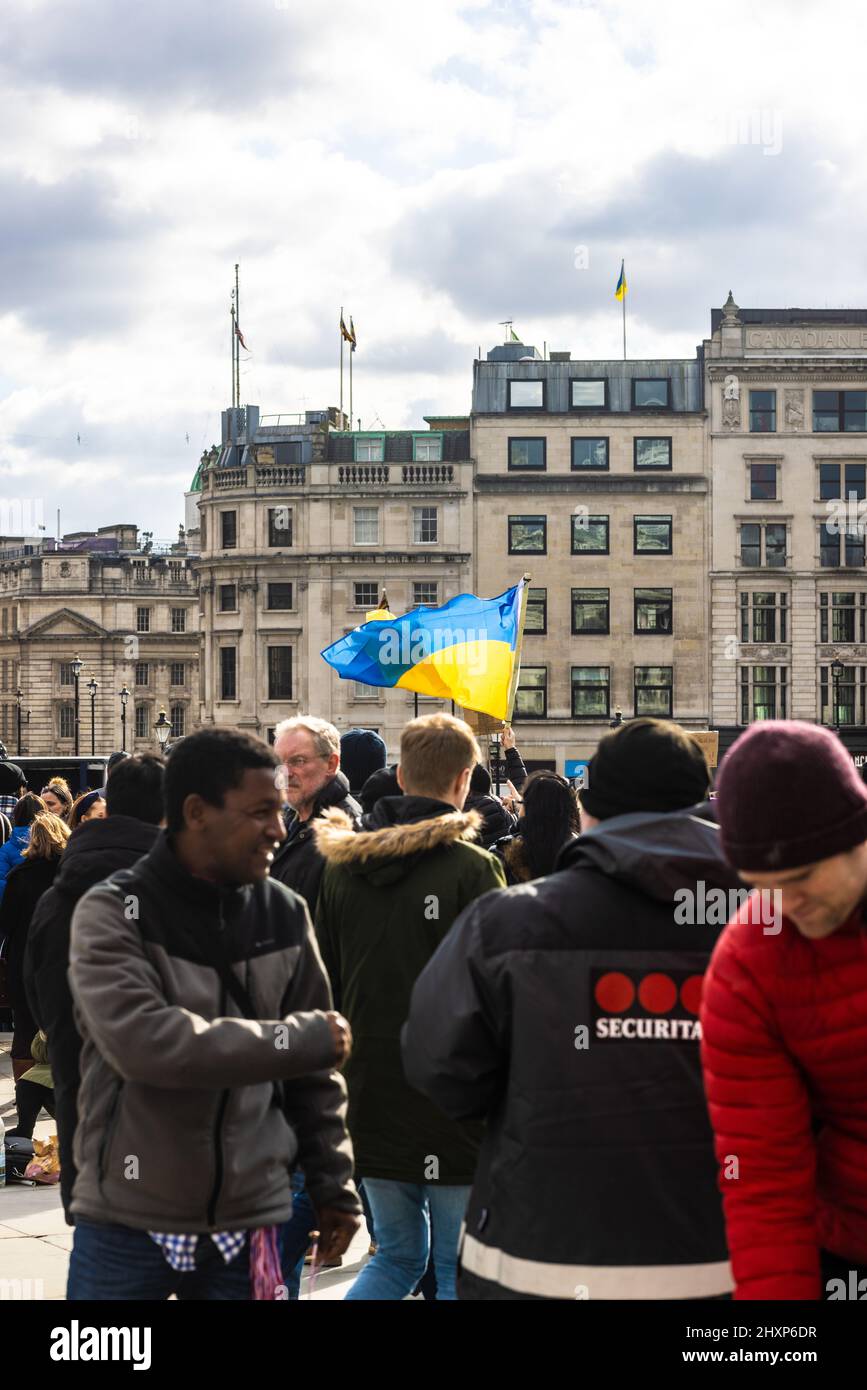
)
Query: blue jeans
[
  {"x": 117, "y": 1262},
  {"x": 295, "y": 1236},
  {"x": 403, "y": 1214}
]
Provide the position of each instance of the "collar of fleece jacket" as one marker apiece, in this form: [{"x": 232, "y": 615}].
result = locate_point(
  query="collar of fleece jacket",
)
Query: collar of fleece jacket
[{"x": 338, "y": 843}]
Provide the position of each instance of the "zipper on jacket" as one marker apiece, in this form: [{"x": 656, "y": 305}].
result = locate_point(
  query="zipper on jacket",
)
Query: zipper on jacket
[
  {"x": 221, "y": 1112},
  {"x": 108, "y": 1132}
]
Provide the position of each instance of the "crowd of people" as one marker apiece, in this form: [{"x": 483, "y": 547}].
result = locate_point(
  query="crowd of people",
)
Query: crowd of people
[{"x": 268, "y": 992}]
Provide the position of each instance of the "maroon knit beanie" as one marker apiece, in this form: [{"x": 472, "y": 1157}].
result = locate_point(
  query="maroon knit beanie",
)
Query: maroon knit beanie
[{"x": 788, "y": 795}]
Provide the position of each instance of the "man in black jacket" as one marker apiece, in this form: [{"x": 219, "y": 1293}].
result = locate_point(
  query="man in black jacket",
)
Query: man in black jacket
[
  {"x": 309, "y": 749},
  {"x": 572, "y": 1029},
  {"x": 134, "y": 810}
]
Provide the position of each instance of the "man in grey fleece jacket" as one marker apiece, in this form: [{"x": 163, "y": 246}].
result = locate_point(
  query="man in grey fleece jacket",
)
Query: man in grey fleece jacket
[{"x": 209, "y": 1047}]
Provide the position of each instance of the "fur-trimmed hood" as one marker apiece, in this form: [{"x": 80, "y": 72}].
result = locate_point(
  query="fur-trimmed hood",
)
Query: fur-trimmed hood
[{"x": 399, "y": 830}]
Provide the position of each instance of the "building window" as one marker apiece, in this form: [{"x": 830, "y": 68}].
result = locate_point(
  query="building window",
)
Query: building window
[
  {"x": 590, "y": 611},
  {"x": 425, "y": 529},
  {"x": 228, "y": 598},
  {"x": 589, "y": 453},
  {"x": 842, "y": 701},
  {"x": 527, "y": 453},
  {"x": 652, "y": 452},
  {"x": 229, "y": 530},
  {"x": 528, "y": 535},
  {"x": 142, "y": 673},
  {"x": 424, "y": 593},
  {"x": 5, "y": 621},
  {"x": 142, "y": 721},
  {"x": 178, "y": 673},
  {"x": 763, "y": 412},
  {"x": 365, "y": 692},
  {"x": 763, "y": 482},
  {"x": 536, "y": 616},
  {"x": 67, "y": 721},
  {"x": 179, "y": 620},
  {"x": 653, "y": 691},
  {"x": 365, "y": 521},
  {"x": 651, "y": 393},
  {"x": 840, "y": 482},
  {"x": 589, "y": 393},
  {"x": 763, "y": 693},
  {"x": 839, "y": 411},
  {"x": 591, "y": 690},
  {"x": 178, "y": 716},
  {"x": 279, "y": 673},
  {"x": 526, "y": 395},
  {"x": 840, "y": 549},
  {"x": 280, "y": 596},
  {"x": 763, "y": 616},
  {"x": 651, "y": 535},
  {"x": 279, "y": 527},
  {"x": 142, "y": 620},
  {"x": 589, "y": 535},
  {"x": 427, "y": 448},
  {"x": 841, "y": 617},
  {"x": 66, "y": 675},
  {"x": 228, "y": 681},
  {"x": 365, "y": 594},
  {"x": 371, "y": 449},
  {"x": 653, "y": 611},
  {"x": 531, "y": 698},
  {"x": 763, "y": 545}
]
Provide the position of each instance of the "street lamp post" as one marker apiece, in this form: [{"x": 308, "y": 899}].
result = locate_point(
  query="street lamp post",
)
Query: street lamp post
[
  {"x": 19, "y": 696},
  {"x": 92, "y": 687},
  {"x": 838, "y": 670},
  {"x": 162, "y": 729},
  {"x": 77, "y": 668},
  {"x": 124, "y": 696}
]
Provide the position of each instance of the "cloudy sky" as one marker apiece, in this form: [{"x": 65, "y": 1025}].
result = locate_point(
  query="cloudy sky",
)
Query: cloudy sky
[{"x": 435, "y": 167}]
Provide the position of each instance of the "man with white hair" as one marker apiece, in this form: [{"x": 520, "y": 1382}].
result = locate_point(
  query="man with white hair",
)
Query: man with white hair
[{"x": 309, "y": 751}]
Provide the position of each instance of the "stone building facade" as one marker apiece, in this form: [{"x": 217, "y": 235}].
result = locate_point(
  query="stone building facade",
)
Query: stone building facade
[
  {"x": 129, "y": 612},
  {"x": 303, "y": 524},
  {"x": 787, "y": 436},
  {"x": 592, "y": 477}
]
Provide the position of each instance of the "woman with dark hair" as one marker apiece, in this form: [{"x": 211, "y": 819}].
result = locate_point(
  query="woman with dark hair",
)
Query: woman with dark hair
[
  {"x": 551, "y": 818},
  {"x": 11, "y": 854},
  {"x": 26, "y": 884}
]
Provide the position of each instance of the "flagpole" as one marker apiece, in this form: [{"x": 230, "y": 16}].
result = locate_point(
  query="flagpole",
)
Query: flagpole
[
  {"x": 232, "y": 344},
  {"x": 351, "y": 354},
  {"x": 237, "y": 340},
  {"x": 341, "y": 367},
  {"x": 624, "y": 324},
  {"x": 516, "y": 671}
]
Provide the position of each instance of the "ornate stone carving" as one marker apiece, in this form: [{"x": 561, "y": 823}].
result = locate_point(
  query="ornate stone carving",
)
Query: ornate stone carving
[
  {"x": 752, "y": 651},
  {"x": 794, "y": 409},
  {"x": 731, "y": 310},
  {"x": 731, "y": 402}
]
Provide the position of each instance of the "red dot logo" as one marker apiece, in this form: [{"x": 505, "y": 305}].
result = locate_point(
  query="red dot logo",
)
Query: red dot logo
[
  {"x": 614, "y": 992},
  {"x": 690, "y": 993},
  {"x": 657, "y": 994}
]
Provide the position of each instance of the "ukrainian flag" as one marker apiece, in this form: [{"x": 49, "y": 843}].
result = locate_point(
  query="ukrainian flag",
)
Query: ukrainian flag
[
  {"x": 622, "y": 287},
  {"x": 466, "y": 651}
]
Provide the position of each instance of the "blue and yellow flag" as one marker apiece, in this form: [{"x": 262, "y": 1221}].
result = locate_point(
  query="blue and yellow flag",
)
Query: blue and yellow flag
[
  {"x": 622, "y": 287},
  {"x": 465, "y": 651}
]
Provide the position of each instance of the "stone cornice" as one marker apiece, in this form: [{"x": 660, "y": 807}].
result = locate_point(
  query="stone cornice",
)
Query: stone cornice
[{"x": 661, "y": 481}]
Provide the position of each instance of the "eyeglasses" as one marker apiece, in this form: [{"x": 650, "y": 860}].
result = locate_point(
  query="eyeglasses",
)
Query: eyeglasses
[{"x": 300, "y": 761}]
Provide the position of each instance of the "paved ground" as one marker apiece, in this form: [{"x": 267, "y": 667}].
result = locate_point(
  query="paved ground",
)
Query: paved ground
[{"x": 35, "y": 1240}]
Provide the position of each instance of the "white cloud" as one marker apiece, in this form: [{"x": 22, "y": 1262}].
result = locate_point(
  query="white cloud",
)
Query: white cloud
[{"x": 431, "y": 167}]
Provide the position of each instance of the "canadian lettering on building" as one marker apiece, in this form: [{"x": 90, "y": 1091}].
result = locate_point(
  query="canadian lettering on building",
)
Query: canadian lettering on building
[{"x": 850, "y": 339}]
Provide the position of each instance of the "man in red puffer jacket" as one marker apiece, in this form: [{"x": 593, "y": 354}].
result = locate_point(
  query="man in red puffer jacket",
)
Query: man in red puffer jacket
[{"x": 784, "y": 1017}]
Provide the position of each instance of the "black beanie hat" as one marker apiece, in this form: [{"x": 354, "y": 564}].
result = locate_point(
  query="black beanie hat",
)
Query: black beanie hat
[
  {"x": 362, "y": 752},
  {"x": 11, "y": 778},
  {"x": 480, "y": 781},
  {"x": 645, "y": 765}
]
